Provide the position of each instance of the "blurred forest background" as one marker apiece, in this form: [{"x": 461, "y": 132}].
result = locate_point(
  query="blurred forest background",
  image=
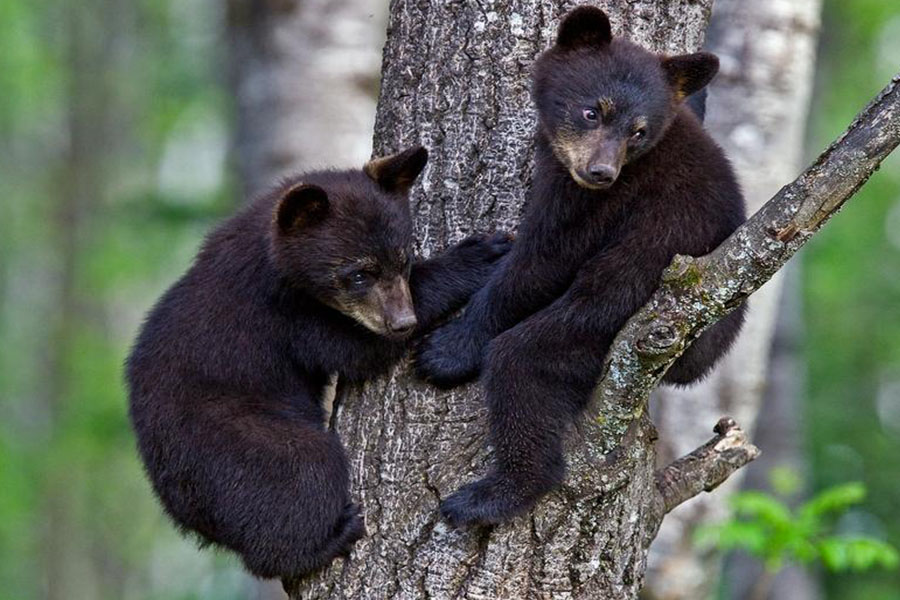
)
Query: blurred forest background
[{"x": 117, "y": 152}]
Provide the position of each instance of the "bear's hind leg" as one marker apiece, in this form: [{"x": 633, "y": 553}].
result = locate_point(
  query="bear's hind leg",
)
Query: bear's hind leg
[
  {"x": 538, "y": 377},
  {"x": 273, "y": 486},
  {"x": 700, "y": 358}
]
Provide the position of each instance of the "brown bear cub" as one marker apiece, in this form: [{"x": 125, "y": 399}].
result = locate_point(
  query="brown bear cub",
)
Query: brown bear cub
[
  {"x": 625, "y": 178},
  {"x": 226, "y": 378}
]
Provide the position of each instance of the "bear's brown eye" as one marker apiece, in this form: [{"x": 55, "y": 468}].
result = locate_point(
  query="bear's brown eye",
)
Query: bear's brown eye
[
  {"x": 639, "y": 133},
  {"x": 589, "y": 114}
]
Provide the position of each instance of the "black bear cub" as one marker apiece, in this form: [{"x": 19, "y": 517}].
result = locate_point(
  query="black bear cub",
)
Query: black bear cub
[
  {"x": 227, "y": 375},
  {"x": 625, "y": 178}
]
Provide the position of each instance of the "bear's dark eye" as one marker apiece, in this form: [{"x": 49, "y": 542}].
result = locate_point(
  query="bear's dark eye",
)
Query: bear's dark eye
[
  {"x": 589, "y": 114},
  {"x": 639, "y": 133},
  {"x": 360, "y": 278}
]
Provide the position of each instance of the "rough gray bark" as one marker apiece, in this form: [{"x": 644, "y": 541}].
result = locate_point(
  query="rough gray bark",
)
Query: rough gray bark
[
  {"x": 304, "y": 76},
  {"x": 455, "y": 79},
  {"x": 757, "y": 111}
]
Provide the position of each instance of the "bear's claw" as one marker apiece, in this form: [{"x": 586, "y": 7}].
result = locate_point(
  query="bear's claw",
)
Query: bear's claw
[{"x": 483, "y": 503}]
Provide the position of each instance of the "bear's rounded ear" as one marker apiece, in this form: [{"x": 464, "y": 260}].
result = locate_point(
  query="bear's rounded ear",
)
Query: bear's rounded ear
[
  {"x": 584, "y": 27},
  {"x": 397, "y": 172},
  {"x": 688, "y": 73},
  {"x": 300, "y": 206}
]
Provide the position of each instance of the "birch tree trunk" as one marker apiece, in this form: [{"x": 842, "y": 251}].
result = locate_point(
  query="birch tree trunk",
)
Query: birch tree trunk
[
  {"x": 757, "y": 110},
  {"x": 456, "y": 79},
  {"x": 304, "y": 75},
  {"x": 779, "y": 429}
]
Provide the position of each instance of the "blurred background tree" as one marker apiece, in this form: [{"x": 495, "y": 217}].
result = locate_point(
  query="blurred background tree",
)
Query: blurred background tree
[{"x": 117, "y": 120}]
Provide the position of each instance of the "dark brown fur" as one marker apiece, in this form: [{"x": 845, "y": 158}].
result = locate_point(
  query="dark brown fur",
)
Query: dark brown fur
[
  {"x": 227, "y": 374},
  {"x": 609, "y": 208}
]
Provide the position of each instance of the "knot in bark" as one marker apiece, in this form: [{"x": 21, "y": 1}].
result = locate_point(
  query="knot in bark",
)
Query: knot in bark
[{"x": 658, "y": 338}]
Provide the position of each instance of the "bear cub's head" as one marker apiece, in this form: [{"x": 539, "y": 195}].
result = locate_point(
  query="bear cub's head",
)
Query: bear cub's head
[
  {"x": 603, "y": 102},
  {"x": 345, "y": 238}
]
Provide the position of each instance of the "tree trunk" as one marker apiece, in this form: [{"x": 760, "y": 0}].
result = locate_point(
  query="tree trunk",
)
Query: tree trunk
[
  {"x": 757, "y": 111},
  {"x": 304, "y": 76},
  {"x": 77, "y": 192},
  {"x": 456, "y": 79}
]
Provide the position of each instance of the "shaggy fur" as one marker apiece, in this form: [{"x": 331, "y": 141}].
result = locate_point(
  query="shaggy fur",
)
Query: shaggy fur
[
  {"x": 227, "y": 375},
  {"x": 625, "y": 177}
]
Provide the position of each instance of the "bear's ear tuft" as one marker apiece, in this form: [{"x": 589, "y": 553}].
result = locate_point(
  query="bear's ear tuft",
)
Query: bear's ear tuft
[
  {"x": 688, "y": 73},
  {"x": 301, "y": 206},
  {"x": 397, "y": 172},
  {"x": 584, "y": 27}
]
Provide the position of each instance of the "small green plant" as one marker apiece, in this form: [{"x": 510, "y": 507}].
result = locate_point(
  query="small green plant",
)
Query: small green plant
[{"x": 768, "y": 529}]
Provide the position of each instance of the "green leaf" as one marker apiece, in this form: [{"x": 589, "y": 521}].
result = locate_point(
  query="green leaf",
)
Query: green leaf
[
  {"x": 801, "y": 549},
  {"x": 857, "y": 554},
  {"x": 833, "y": 500},
  {"x": 745, "y": 535},
  {"x": 834, "y": 554},
  {"x": 763, "y": 507}
]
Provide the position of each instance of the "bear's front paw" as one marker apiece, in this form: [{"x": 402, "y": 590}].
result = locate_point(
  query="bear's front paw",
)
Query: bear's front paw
[
  {"x": 480, "y": 252},
  {"x": 449, "y": 357},
  {"x": 350, "y": 529},
  {"x": 485, "y": 502},
  {"x": 485, "y": 247}
]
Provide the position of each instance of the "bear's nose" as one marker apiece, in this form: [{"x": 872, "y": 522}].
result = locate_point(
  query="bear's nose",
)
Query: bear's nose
[
  {"x": 602, "y": 174},
  {"x": 403, "y": 324}
]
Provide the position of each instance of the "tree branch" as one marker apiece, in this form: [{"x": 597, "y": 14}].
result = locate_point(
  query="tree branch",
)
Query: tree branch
[
  {"x": 708, "y": 466},
  {"x": 697, "y": 292}
]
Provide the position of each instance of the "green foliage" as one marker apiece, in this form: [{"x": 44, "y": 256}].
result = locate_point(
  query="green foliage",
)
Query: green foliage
[
  {"x": 857, "y": 554},
  {"x": 768, "y": 529},
  {"x": 834, "y": 500}
]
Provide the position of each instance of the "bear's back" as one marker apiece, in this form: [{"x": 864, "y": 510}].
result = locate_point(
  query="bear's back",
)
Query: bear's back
[
  {"x": 687, "y": 182},
  {"x": 218, "y": 323}
]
